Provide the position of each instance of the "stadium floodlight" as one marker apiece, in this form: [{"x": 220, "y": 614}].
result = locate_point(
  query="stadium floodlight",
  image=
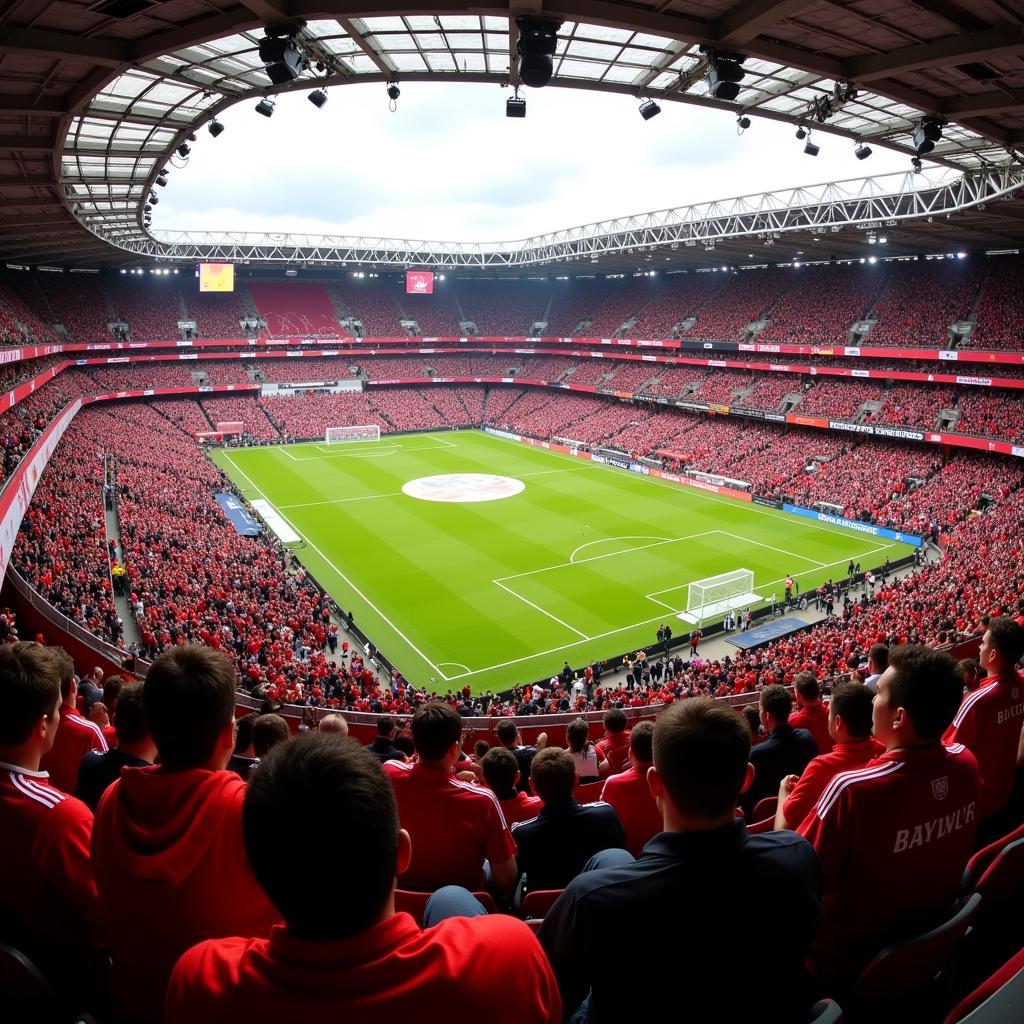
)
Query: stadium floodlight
[
  {"x": 916, "y": 164},
  {"x": 183, "y": 150},
  {"x": 161, "y": 179},
  {"x": 265, "y": 107},
  {"x": 536, "y": 45},
  {"x": 318, "y": 97},
  {"x": 863, "y": 151},
  {"x": 801, "y": 133},
  {"x": 215, "y": 128},
  {"x": 810, "y": 148},
  {"x": 649, "y": 109},
  {"x": 724, "y": 74},
  {"x": 393, "y": 93},
  {"x": 742, "y": 122},
  {"x": 282, "y": 58},
  {"x": 515, "y": 106},
  {"x": 927, "y": 133}
]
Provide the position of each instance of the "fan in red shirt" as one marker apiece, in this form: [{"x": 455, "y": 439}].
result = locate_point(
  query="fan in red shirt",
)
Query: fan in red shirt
[
  {"x": 989, "y": 722},
  {"x": 630, "y": 795},
  {"x": 354, "y": 959},
  {"x": 501, "y": 773},
  {"x": 811, "y": 715},
  {"x": 894, "y": 837},
  {"x": 614, "y": 746},
  {"x": 76, "y": 736},
  {"x": 454, "y": 825},
  {"x": 48, "y": 905},
  {"x": 167, "y": 844},
  {"x": 849, "y": 723}
]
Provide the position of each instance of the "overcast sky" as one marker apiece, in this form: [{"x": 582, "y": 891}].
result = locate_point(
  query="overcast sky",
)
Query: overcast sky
[{"x": 448, "y": 165}]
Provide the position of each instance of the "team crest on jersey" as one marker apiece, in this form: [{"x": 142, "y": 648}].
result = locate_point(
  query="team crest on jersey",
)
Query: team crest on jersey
[
  {"x": 1014, "y": 692},
  {"x": 940, "y": 788}
]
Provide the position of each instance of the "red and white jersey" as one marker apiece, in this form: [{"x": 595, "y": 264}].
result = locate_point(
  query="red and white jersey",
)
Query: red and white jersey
[
  {"x": 614, "y": 747},
  {"x": 454, "y": 828},
  {"x": 50, "y": 895},
  {"x": 989, "y": 724},
  {"x": 635, "y": 805},
  {"x": 893, "y": 839},
  {"x": 76, "y": 736}
]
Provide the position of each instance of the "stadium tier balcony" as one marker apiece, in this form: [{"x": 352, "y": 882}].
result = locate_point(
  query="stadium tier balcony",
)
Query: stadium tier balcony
[
  {"x": 573, "y": 302},
  {"x": 471, "y": 366},
  {"x": 720, "y": 385},
  {"x": 837, "y": 398},
  {"x": 216, "y": 314},
  {"x": 916, "y": 405},
  {"x": 1000, "y": 310},
  {"x": 674, "y": 380},
  {"x": 621, "y": 299},
  {"x": 630, "y": 376},
  {"x": 291, "y": 371},
  {"x": 745, "y": 297},
  {"x": 503, "y": 308},
  {"x": 295, "y": 308},
  {"x": 151, "y": 306},
  {"x": 393, "y": 367},
  {"x": 590, "y": 372},
  {"x": 375, "y": 302},
  {"x": 769, "y": 391},
  {"x": 921, "y": 300},
  {"x": 309, "y": 416},
  {"x": 234, "y": 408},
  {"x": 823, "y": 303},
  {"x": 677, "y": 298},
  {"x": 999, "y": 414},
  {"x": 543, "y": 367},
  {"x": 81, "y": 303},
  {"x": 438, "y": 314}
]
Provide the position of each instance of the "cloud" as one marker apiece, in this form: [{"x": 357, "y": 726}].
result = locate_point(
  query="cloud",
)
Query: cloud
[{"x": 448, "y": 165}]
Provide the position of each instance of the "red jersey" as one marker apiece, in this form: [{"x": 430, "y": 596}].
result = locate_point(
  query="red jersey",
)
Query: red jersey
[
  {"x": 454, "y": 828},
  {"x": 635, "y": 805},
  {"x": 814, "y": 718},
  {"x": 521, "y": 807},
  {"x": 844, "y": 757},
  {"x": 893, "y": 839},
  {"x": 614, "y": 747},
  {"x": 76, "y": 736},
  {"x": 394, "y": 971},
  {"x": 989, "y": 724},
  {"x": 50, "y": 895},
  {"x": 171, "y": 871}
]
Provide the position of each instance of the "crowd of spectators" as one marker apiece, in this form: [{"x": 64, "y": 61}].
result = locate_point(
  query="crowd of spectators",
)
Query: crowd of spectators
[
  {"x": 677, "y": 297},
  {"x": 503, "y": 308},
  {"x": 81, "y": 303},
  {"x": 374, "y": 302},
  {"x": 150, "y": 307},
  {"x": 437, "y": 314},
  {"x": 309, "y": 415},
  {"x": 241, "y": 408},
  {"x": 296, "y": 308},
  {"x": 991, "y": 414},
  {"x": 746, "y": 297},
  {"x": 16, "y": 318},
  {"x": 840, "y": 399},
  {"x": 916, "y": 405},
  {"x": 1000, "y": 310},
  {"x": 216, "y": 314}
]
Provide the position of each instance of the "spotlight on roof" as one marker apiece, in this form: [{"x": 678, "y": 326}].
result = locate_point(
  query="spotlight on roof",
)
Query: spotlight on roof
[
  {"x": 265, "y": 107},
  {"x": 649, "y": 109},
  {"x": 810, "y": 148},
  {"x": 928, "y": 132},
  {"x": 393, "y": 93},
  {"x": 862, "y": 151},
  {"x": 801, "y": 133},
  {"x": 724, "y": 74},
  {"x": 742, "y": 122},
  {"x": 916, "y": 164},
  {"x": 215, "y": 127},
  {"x": 538, "y": 40},
  {"x": 161, "y": 179},
  {"x": 318, "y": 97},
  {"x": 515, "y": 106},
  {"x": 281, "y": 56},
  {"x": 183, "y": 150},
  {"x": 154, "y": 200}
]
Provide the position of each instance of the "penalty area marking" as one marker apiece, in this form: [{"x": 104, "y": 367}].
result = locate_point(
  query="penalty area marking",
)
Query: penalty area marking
[
  {"x": 457, "y": 664},
  {"x": 608, "y": 540}
]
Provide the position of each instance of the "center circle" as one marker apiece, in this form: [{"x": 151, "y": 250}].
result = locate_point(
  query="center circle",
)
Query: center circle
[{"x": 463, "y": 487}]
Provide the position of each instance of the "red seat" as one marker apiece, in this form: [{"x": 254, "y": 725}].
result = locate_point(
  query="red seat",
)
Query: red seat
[
  {"x": 982, "y": 860},
  {"x": 764, "y": 808},
  {"x": 987, "y": 989},
  {"x": 590, "y": 793},
  {"x": 1003, "y": 879},
  {"x": 826, "y": 1012},
  {"x": 415, "y": 903},
  {"x": 538, "y": 902},
  {"x": 759, "y": 827}
]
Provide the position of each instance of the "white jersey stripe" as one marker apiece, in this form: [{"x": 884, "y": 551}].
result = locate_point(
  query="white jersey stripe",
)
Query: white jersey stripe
[
  {"x": 969, "y": 701},
  {"x": 43, "y": 790},
  {"x": 44, "y": 797},
  {"x": 852, "y": 778}
]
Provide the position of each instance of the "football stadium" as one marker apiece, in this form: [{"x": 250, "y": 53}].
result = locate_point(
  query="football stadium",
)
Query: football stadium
[{"x": 553, "y": 474}]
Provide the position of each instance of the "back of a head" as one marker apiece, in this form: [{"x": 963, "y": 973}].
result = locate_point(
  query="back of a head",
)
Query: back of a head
[
  {"x": 112, "y": 687},
  {"x": 852, "y": 703},
  {"x": 189, "y": 697},
  {"x": 506, "y": 731},
  {"x": 435, "y": 727},
  {"x": 129, "y": 716},
  {"x": 553, "y": 773},
  {"x": 1007, "y": 638},
  {"x": 777, "y": 703},
  {"x": 385, "y": 726},
  {"x": 285, "y": 827},
  {"x": 243, "y": 731},
  {"x": 615, "y": 720},
  {"x": 337, "y": 725},
  {"x": 701, "y": 751},
  {"x": 927, "y": 684},
  {"x": 267, "y": 732},
  {"x": 806, "y": 684},
  {"x": 878, "y": 655},
  {"x": 641, "y": 742},
  {"x": 29, "y": 691},
  {"x": 65, "y": 669},
  {"x": 499, "y": 767},
  {"x": 576, "y": 734}
]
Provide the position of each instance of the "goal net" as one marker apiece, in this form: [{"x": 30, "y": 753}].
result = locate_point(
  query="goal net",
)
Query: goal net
[
  {"x": 343, "y": 435},
  {"x": 716, "y": 595}
]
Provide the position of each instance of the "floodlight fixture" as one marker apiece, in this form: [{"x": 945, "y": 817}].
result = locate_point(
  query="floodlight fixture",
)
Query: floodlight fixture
[
  {"x": 916, "y": 164},
  {"x": 724, "y": 74},
  {"x": 811, "y": 148},
  {"x": 536, "y": 46},
  {"x": 863, "y": 151},
  {"x": 742, "y": 122},
  {"x": 801, "y": 133},
  {"x": 183, "y": 150},
  {"x": 393, "y": 93},
  {"x": 161, "y": 179},
  {"x": 318, "y": 97},
  {"x": 265, "y": 107},
  {"x": 927, "y": 133},
  {"x": 215, "y": 128},
  {"x": 649, "y": 109},
  {"x": 515, "y": 106},
  {"x": 282, "y": 58}
]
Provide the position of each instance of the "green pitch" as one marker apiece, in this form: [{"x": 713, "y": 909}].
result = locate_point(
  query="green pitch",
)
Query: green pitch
[{"x": 585, "y": 562}]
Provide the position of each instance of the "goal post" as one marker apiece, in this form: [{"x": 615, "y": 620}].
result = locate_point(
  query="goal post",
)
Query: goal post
[
  {"x": 344, "y": 435},
  {"x": 716, "y": 595}
]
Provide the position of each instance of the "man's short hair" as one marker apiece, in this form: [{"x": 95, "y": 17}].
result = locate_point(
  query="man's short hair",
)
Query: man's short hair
[
  {"x": 852, "y": 703},
  {"x": 615, "y": 720},
  {"x": 285, "y": 826},
  {"x": 499, "y": 765},
  {"x": 335, "y": 724},
  {"x": 641, "y": 742},
  {"x": 879, "y": 654},
  {"x": 29, "y": 690},
  {"x": 129, "y": 716},
  {"x": 188, "y": 698},
  {"x": 806, "y": 684},
  {"x": 1007, "y": 637},
  {"x": 267, "y": 732},
  {"x": 385, "y": 725},
  {"x": 435, "y": 727},
  {"x": 243, "y": 731},
  {"x": 112, "y": 687},
  {"x": 506, "y": 731},
  {"x": 701, "y": 751},
  {"x": 65, "y": 669},
  {"x": 777, "y": 702},
  {"x": 553, "y": 772},
  {"x": 928, "y": 685}
]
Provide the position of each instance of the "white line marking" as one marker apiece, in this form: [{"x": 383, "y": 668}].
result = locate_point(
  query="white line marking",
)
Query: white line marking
[
  {"x": 342, "y": 576},
  {"x": 606, "y": 540},
  {"x": 537, "y": 607},
  {"x": 781, "y": 551},
  {"x": 456, "y": 664},
  {"x": 450, "y": 444},
  {"x": 341, "y": 501}
]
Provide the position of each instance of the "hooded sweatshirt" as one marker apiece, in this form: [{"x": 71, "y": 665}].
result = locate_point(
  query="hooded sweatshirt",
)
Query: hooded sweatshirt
[{"x": 171, "y": 870}]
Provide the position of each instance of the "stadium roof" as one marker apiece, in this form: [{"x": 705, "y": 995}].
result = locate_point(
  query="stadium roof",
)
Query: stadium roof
[{"x": 95, "y": 97}]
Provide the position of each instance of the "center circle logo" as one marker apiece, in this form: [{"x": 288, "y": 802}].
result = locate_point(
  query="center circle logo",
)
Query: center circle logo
[{"x": 463, "y": 487}]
